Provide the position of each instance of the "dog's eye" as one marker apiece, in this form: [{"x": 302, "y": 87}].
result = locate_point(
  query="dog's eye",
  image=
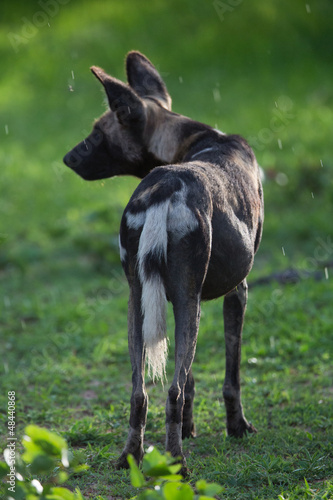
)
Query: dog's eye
[{"x": 96, "y": 137}]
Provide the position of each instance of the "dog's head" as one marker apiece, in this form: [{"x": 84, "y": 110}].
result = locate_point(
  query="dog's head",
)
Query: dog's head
[{"x": 137, "y": 133}]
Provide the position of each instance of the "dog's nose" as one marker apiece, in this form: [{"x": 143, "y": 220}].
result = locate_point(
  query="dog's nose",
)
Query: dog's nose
[
  {"x": 66, "y": 159},
  {"x": 69, "y": 159}
]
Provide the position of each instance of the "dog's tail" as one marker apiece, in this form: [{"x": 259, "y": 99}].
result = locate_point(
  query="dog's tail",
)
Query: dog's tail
[{"x": 152, "y": 257}]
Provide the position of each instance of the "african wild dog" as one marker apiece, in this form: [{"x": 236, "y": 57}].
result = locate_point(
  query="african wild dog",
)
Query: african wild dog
[{"x": 189, "y": 233}]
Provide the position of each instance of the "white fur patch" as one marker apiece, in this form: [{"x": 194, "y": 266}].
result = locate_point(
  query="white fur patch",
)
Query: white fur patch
[
  {"x": 154, "y": 239},
  {"x": 162, "y": 142},
  {"x": 154, "y": 236},
  {"x": 219, "y": 131},
  {"x": 153, "y": 303},
  {"x": 135, "y": 221},
  {"x": 181, "y": 220},
  {"x": 122, "y": 251},
  {"x": 202, "y": 151}
]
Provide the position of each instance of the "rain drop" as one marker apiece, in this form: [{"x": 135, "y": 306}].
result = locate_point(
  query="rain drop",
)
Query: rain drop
[
  {"x": 279, "y": 143},
  {"x": 326, "y": 273},
  {"x": 6, "y": 129},
  {"x": 308, "y": 8},
  {"x": 216, "y": 95},
  {"x": 284, "y": 253},
  {"x": 281, "y": 179}
]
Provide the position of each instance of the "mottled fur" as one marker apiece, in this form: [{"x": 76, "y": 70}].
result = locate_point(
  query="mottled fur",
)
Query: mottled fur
[{"x": 189, "y": 233}]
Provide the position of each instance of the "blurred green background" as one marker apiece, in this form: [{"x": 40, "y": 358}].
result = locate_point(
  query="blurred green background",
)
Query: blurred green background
[{"x": 260, "y": 69}]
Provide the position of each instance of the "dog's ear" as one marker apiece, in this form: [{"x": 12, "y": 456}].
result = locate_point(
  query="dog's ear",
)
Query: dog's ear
[
  {"x": 145, "y": 79},
  {"x": 122, "y": 100}
]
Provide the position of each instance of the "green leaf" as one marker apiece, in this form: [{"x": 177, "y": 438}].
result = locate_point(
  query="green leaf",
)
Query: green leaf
[
  {"x": 137, "y": 478},
  {"x": 58, "y": 493},
  {"x": 81, "y": 468},
  {"x": 41, "y": 463},
  {"x": 150, "y": 495},
  {"x": 208, "y": 489},
  {"x": 31, "y": 450},
  {"x": 178, "y": 491},
  {"x": 201, "y": 485},
  {"x": 21, "y": 491},
  {"x": 203, "y": 497},
  {"x": 155, "y": 464},
  {"x": 41, "y": 441},
  {"x": 4, "y": 469},
  {"x": 78, "y": 494},
  {"x": 172, "y": 477},
  {"x": 162, "y": 470},
  {"x": 309, "y": 436},
  {"x": 307, "y": 487},
  {"x": 62, "y": 477}
]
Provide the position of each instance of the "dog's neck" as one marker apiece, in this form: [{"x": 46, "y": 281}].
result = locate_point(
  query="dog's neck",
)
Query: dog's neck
[
  {"x": 201, "y": 144},
  {"x": 171, "y": 137}
]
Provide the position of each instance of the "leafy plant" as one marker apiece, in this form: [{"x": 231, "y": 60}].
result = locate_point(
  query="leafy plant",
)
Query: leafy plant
[
  {"x": 163, "y": 481},
  {"x": 46, "y": 454}
]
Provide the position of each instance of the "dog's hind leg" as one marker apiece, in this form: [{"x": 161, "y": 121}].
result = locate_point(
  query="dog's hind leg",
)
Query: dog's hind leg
[
  {"x": 139, "y": 398},
  {"x": 188, "y": 429},
  {"x": 188, "y": 262},
  {"x": 187, "y": 314},
  {"x": 234, "y": 310}
]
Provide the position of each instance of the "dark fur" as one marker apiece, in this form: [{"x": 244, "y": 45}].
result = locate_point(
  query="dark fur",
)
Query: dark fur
[{"x": 142, "y": 137}]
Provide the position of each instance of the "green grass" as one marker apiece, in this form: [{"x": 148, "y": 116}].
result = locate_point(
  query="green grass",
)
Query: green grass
[{"x": 63, "y": 296}]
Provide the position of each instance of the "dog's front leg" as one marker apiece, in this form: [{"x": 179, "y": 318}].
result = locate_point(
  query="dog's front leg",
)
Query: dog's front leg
[
  {"x": 139, "y": 398},
  {"x": 234, "y": 310}
]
